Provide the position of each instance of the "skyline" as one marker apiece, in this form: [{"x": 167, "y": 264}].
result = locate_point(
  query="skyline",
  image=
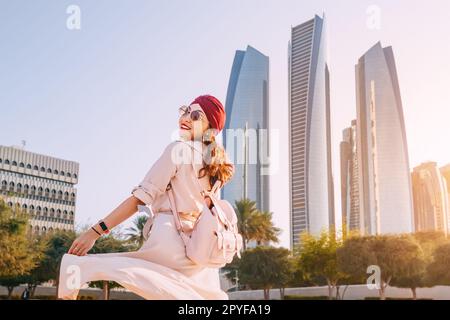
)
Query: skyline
[{"x": 72, "y": 102}]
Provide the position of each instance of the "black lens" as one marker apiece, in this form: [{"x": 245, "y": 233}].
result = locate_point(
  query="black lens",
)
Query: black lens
[{"x": 195, "y": 115}]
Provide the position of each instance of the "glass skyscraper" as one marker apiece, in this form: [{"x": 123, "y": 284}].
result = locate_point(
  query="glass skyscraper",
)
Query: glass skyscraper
[
  {"x": 430, "y": 198},
  {"x": 349, "y": 179},
  {"x": 247, "y": 108},
  {"x": 311, "y": 182},
  {"x": 384, "y": 174}
]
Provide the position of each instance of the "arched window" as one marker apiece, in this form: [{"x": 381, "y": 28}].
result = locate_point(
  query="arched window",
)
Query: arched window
[
  {"x": 47, "y": 192},
  {"x": 14, "y": 163},
  {"x": 10, "y": 204},
  {"x": 28, "y": 166},
  {"x": 19, "y": 187},
  {"x": 45, "y": 211},
  {"x": 55, "y": 171},
  {"x": 33, "y": 190},
  {"x": 6, "y": 161},
  {"x": 44, "y": 230},
  {"x": 38, "y": 210},
  {"x": 1, "y": 160},
  {"x": 31, "y": 209},
  {"x": 71, "y": 215},
  {"x": 60, "y": 194},
  {"x": 11, "y": 186},
  {"x": 4, "y": 185},
  {"x": 58, "y": 213},
  {"x": 36, "y": 230},
  {"x": 66, "y": 196},
  {"x": 75, "y": 175},
  {"x": 65, "y": 214},
  {"x": 52, "y": 212},
  {"x": 22, "y": 165},
  {"x": 68, "y": 174},
  {"x": 35, "y": 168},
  {"x": 26, "y": 189},
  {"x": 49, "y": 170},
  {"x": 53, "y": 193},
  {"x": 73, "y": 197},
  {"x": 42, "y": 169}
]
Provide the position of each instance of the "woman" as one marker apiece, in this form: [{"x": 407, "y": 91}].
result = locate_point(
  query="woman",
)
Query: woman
[{"x": 160, "y": 268}]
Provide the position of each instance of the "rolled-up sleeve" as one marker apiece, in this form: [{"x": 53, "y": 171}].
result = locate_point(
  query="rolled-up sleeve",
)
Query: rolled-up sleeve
[{"x": 158, "y": 177}]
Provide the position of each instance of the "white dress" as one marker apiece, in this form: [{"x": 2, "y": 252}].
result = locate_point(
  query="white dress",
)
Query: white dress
[{"x": 160, "y": 268}]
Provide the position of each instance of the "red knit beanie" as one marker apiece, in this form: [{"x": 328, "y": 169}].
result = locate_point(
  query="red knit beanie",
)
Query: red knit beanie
[{"x": 213, "y": 109}]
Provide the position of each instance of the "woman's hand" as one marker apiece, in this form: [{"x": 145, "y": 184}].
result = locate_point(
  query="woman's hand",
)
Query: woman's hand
[{"x": 84, "y": 243}]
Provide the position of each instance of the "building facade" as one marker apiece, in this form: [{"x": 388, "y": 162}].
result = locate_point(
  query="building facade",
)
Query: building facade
[
  {"x": 246, "y": 134},
  {"x": 311, "y": 184},
  {"x": 430, "y": 198},
  {"x": 384, "y": 174},
  {"x": 40, "y": 185},
  {"x": 349, "y": 180},
  {"x": 445, "y": 172}
]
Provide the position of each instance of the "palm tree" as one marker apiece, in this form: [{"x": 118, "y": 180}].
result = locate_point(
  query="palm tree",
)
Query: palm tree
[
  {"x": 264, "y": 229},
  {"x": 254, "y": 224},
  {"x": 245, "y": 210},
  {"x": 135, "y": 233}
]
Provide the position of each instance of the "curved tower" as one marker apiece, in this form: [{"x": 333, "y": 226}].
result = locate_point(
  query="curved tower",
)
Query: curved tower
[
  {"x": 247, "y": 108},
  {"x": 384, "y": 175},
  {"x": 311, "y": 183}
]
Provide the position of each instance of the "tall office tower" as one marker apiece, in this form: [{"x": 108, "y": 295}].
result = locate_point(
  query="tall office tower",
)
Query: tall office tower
[
  {"x": 247, "y": 108},
  {"x": 40, "y": 185},
  {"x": 430, "y": 198},
  {"x": 384, "y": 175},
  {"x": 311, "y": 184},
  {"x": 445, "y": 172},
  {"x": 349, "y": 180}
]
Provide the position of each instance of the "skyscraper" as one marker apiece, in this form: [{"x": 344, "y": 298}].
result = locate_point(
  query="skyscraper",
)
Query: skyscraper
[
  {"x": 384, "y": 175},
  {"x": 349, "y": 180},
  {"x": 311, "y": 184},
  {"x": 40, "y": 185},
  {"x": 445, "y": 172},
  {"x": 247, "y": 108},
  {"x": 430, "y": 198}
]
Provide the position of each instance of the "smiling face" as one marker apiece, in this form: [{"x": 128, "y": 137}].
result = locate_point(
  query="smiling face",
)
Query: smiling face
[{"x": 193, "y": 129}]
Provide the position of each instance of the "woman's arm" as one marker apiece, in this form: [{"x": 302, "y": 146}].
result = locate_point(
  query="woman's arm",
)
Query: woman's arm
[
  {"x": 125, "y": 210},
  {"x": 153, "y": 185},
  {"x": 86, "y": 240}
]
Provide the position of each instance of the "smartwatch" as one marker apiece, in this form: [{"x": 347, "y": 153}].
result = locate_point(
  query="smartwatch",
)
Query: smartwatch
[{"x": 104, "y": 227}]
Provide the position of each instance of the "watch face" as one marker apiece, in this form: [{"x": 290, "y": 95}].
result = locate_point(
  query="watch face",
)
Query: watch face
[{"x": 103, "y": 226}]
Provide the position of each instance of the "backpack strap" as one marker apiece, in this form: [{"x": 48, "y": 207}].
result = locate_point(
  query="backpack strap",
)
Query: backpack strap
[{"x": 176, "y": 216}]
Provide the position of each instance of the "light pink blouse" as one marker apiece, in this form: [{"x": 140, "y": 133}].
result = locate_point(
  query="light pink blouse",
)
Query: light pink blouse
[{"x": 174, "y": 165}]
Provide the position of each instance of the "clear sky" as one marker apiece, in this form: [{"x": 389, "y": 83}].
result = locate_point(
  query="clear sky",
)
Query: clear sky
[{"x": 107, "y": 95}]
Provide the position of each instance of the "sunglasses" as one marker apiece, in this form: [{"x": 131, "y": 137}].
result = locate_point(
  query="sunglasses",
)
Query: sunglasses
[{"x": 195, "y": 114}]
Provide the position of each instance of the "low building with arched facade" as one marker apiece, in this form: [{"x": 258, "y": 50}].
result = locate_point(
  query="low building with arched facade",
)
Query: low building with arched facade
[{"x": 40, "y": 185}]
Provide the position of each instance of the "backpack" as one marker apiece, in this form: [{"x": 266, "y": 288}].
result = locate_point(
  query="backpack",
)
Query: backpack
[{"x": 215, "y": 239}]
